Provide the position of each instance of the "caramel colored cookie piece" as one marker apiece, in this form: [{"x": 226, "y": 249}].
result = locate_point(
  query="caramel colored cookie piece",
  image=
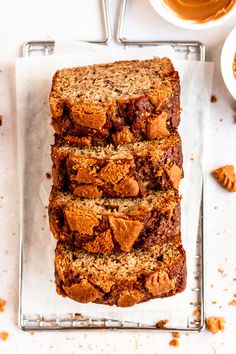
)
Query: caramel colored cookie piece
[
  {"x": 226, "y": 177},
  {"x": 174, "y": 173},
  {"x": 90, "y": 116},
  {"x": 87, "y": 191},
  {"x": 101, "y": 244},
  {"x": 159, "y": 283},
  {"x": 129, "y": 298},
  {"x": 215, "y": 324},
  {"x": 128, "y": 187},
  {"x": 83, "y": 292},
  {"x": 114, "y": 171},
  {"x": 81, "y": 220},
  {"x": 125, "y": 231},
  {"x": 123, "y": 137},
  {"x": 156, "y": 127}
]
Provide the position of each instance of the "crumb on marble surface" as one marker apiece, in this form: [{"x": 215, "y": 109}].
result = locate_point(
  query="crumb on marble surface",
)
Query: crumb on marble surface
[
  {"x": 215, "y": 324},
  {"x": 213, "y": 99},
  {"x": 174, "y": 342},
  {"x": 175, "y": 334},
  {"x": 197, "y": 312},
  {"x": 48, "y": 175},
  {"x": 233, "y": 302},
  {"x": 2, "y": 305},
  {"x": 214, "y": 302},
  {"x": 4, "y": 335}
]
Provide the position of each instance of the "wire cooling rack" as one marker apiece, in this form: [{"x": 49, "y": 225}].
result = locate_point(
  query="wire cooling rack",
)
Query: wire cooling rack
[{"x": 195, "y": 320}]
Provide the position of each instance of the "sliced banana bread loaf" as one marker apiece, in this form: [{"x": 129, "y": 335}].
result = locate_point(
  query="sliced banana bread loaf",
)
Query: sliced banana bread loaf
[
  {"x": 106, "y": 225},
  {"x": 115, "y": 103},
  {"x": 122, "y": 279},
  {"x": 126, "y": 171}
]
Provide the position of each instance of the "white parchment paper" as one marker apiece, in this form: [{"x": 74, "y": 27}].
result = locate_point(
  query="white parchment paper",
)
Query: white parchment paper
[{"x": 33, "y": 82}]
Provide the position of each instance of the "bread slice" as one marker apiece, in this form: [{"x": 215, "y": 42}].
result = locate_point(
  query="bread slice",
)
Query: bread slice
[
  {"x": 106, "y": 225},
  {"x": 129, "y": 170},
  {"x": 115, "y": 103},
  {"x": 122, "y": 279}
]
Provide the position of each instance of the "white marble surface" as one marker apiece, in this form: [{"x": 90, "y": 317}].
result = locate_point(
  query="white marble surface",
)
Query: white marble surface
[{"x": 23, "y": 20}]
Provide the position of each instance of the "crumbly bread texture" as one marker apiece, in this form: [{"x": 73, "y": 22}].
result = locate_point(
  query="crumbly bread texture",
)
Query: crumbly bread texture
[
  {"x": 226, "y": 176},
  {"x": 116, "y": 103},
  {"x": 106, "y": 225},
  {"x": 129, "y": 170},
  {"x": 122, "y": 279}
]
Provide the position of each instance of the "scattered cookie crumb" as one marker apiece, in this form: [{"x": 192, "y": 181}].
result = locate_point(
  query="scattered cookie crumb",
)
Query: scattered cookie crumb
[
  {"x": 1, "y": 119},
  {"x": 161, "y": 323},
  {"x": 197, "y": 312},
  {"x": 48, "y": 175},
  {"x": 211, "y": 286},
  {"x": 225, "y": 175},
  {"x": 214, "y": 302},
  {"x": 215, "y": 324},
  {"x": 234, "y": 279},
  {"x": 4, "y": 335},
  {"x": 175, "y": 334},
  {"x": 213, "y": 99},
  {"x": 174, "y": 343},
  {"x": 221, "y": 119},
  {"x": 2, "y": 305},
  {"x": 233, "y": 303},
  {"x": 196, "y": 303}
]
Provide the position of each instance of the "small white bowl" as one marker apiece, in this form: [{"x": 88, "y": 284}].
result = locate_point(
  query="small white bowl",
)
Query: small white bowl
[
  {"x": 165, "y": 12},
  {"x": 226, "y": 62}
]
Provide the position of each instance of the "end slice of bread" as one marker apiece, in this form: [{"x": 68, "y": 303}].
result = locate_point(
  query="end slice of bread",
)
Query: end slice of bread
[
  {"x": 121, "y": 279},
  {"x": 115, "y": 103}
]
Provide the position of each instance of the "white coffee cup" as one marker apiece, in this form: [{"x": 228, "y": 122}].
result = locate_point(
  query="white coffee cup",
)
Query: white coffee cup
[
  {"x": 227, "y": 58},
  {"x": 165, "y": 12}
]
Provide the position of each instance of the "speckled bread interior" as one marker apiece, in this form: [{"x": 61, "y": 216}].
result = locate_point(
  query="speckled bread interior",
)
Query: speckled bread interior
[
  {"x": 115, "y": 103},
  {"x": 122, "y": 279},
  {"x": 130, "y": 170}
]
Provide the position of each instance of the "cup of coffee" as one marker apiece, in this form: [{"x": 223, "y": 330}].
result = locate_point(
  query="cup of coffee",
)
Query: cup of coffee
[{"x": 195, "y": 14}]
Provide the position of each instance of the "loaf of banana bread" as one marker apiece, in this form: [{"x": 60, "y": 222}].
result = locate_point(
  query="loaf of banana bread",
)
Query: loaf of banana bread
[
  {"x": 116, "y": 103},
  {"x": 129, "y": 170},
  {"x": 122, "y": 224},
  {"x": 122, "y": 279}
]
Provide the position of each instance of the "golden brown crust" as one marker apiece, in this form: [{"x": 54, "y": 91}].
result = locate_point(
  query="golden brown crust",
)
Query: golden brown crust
[
  {"x": 125, "y": 232},
  {"x": 226, "y": 177}
]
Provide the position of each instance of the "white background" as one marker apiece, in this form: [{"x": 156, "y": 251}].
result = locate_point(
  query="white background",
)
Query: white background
[{"x": 25, "y": 20}]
